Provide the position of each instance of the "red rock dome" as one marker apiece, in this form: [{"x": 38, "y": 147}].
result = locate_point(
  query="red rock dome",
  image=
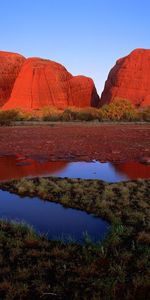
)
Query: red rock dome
[
  {"x": 43, "y": 82},
  {"x": 129, "y": 79},
  {"x": 10, "y": 65}
]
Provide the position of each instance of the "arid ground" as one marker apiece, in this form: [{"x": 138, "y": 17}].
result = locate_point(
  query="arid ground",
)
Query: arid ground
[
  {"x": 71, "y": 142},
  {"x": 118, "y": 268}
]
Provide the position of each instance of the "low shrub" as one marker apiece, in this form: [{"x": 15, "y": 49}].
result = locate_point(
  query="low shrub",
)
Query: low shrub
[
  {"x": 120, "y": 110},
  {"x": 25, "y": 186},
  {"x": 145, "y": 114},
  {"x": 13, "y": 115},
  {"x": 82, "y": 114},
  {"x": 8, "y": 116},
  {"x": 51, "y": 114},
  {"x": 30, "y": 115},
  {"x": 89, "y": 114},
  {"x": 69, "y": 114}
]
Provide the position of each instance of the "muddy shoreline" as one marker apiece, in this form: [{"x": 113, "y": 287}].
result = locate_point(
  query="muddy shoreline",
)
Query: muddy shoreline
[{"x": 75, "y": 142}]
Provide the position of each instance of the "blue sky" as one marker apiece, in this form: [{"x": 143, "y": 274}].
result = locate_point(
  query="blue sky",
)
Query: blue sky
[{"x": 87, "y": 36}]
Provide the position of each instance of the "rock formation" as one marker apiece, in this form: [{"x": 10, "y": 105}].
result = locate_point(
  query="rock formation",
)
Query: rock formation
[
  {"x": 10, "y": 65},
  {"x": 129, "y": 79},
  {"x": 44, "y": 83}
]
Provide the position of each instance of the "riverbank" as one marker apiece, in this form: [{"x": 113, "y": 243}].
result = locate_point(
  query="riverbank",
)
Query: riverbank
[{"x": 116, "y": 269}]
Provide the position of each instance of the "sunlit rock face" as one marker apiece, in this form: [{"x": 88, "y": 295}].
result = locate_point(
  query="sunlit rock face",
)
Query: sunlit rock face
[
  {"x": 44, "y": 83},
  {"x": 129, "y": 79},
  {"x": 10, "y": 65}
]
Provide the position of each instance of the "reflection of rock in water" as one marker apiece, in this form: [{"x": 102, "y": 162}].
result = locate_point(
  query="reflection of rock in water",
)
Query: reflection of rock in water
[
  {"x": 13, "y": 168},
  {"x": 133, "y": 170},
  {"x": 16, "y": 167}
]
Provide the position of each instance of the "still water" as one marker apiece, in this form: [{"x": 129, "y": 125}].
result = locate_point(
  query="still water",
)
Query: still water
[
  {"x": 52, "y": 219},
  {"x": 16, "y": 167}
]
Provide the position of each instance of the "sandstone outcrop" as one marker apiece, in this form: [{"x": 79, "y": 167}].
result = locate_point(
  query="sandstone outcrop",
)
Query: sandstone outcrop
[
  {"x": 129, "y": 79},
  {"x": 10, "y": 65},
  {"x": 42, "y": 83}
]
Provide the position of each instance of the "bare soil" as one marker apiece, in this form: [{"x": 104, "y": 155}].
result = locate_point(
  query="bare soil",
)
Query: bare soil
[{"x": 72, "y": 142}]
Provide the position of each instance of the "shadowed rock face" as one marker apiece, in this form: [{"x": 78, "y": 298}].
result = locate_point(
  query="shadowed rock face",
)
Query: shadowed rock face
[
  {"x": 10, "y": 65},
  {"x": 129, "y": 79},
  {"x": 46, "y": 83}
]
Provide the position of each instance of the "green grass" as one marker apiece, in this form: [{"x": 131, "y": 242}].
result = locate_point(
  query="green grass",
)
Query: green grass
[{"x": 118, "y": 268}]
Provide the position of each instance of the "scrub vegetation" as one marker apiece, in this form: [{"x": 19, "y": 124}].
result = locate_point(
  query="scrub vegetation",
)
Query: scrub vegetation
[
  {"x": 121, "y": 110},
  {"x": 118, "y": 268}
]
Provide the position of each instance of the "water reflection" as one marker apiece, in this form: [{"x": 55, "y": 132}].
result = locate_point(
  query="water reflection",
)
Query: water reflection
[
  {"x": 133, "y": 170},
  {"x": 16, "y": 167},
  {"x": 51, "y": 218}
]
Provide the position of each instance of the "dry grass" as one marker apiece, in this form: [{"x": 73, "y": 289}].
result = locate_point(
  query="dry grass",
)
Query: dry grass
[
  {"x": 118, "y": 268},
  {"x": 119, "y": 110}
]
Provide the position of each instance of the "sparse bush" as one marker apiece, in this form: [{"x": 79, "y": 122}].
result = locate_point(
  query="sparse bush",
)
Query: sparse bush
[
  {"x": 82, "y": 114},
  {"x": 120, "y": 110},
  {"x": 13, "y": 115},
  {"x": 51, "y": 114},
  {"x": 24, "y": 186},
  {"x": 69, "y": 114},
  {"x": 89, "y": 114},
  {"x": 42, "y": 188},
  {"x": 145, "y": 114},
  {"x": 30, "y": 115},
  {"x": 8, "y": 116}
]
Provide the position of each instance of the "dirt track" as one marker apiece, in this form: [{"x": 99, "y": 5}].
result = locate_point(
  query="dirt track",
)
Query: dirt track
[{"x": 78, "y": 142}]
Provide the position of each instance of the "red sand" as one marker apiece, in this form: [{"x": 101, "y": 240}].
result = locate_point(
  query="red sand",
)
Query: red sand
[{"x": 78, "y": 142}]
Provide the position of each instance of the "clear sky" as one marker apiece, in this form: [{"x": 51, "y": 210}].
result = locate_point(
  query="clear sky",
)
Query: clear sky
[{"x": 86, "y": 36}]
